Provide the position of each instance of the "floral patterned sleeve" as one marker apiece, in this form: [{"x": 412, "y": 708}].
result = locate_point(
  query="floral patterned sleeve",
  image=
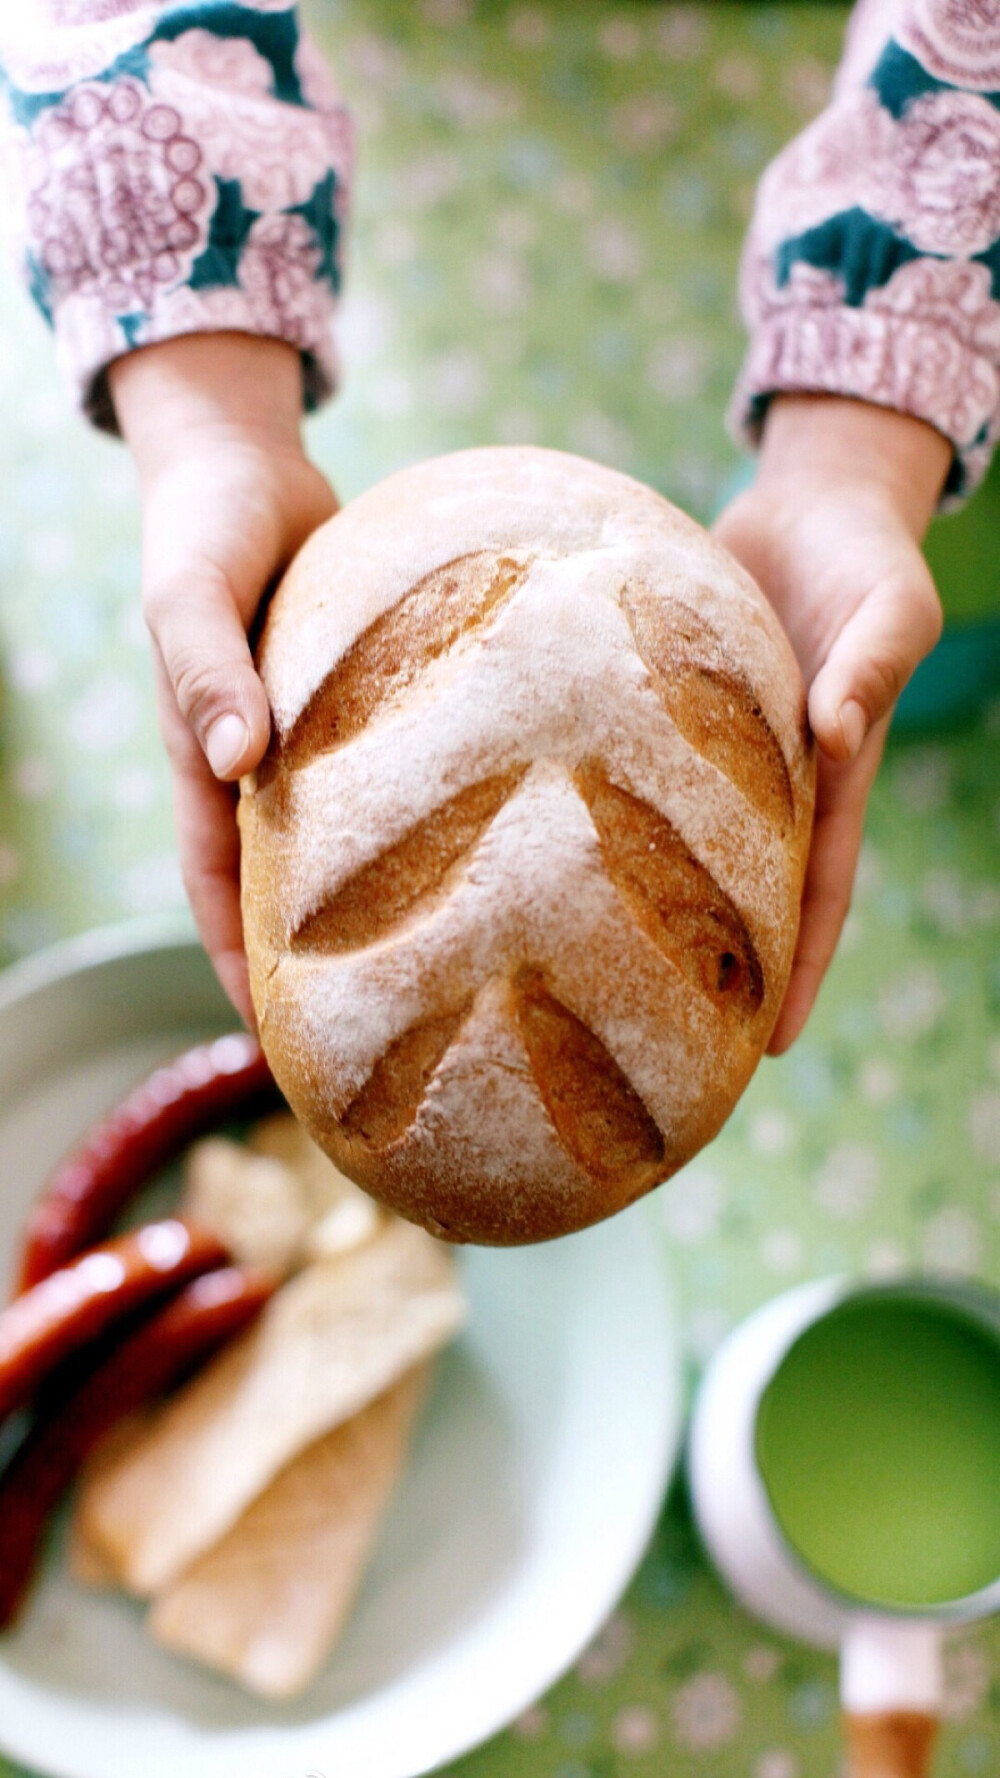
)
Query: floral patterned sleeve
[
  {"x": 872, "y": 268},
  {"x": 172, "y": 168}
]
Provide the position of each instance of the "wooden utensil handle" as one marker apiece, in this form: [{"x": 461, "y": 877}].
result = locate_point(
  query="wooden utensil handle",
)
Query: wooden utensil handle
[{"x": 896, "y": 1744}]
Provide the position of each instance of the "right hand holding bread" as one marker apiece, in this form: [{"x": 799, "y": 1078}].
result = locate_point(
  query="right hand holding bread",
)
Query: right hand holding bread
[{"x": 228, "y": 496}]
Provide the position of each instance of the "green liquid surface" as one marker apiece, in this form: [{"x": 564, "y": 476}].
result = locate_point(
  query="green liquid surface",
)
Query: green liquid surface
[{"x": 878, "y": 1441}]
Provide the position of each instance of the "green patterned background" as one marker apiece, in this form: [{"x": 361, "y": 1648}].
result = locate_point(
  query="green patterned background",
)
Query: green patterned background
[{"x": 547, "y": 220}]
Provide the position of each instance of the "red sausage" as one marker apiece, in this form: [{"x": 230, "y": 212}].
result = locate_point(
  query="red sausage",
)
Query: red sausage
[
  {"x": 197, "y": 1321},
  {"x": 151, "y": 1126},
  {"x": 79, "y": 1301}
]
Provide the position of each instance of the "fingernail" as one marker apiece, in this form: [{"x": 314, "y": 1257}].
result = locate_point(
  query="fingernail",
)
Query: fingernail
[
  {"x": 226, "y": 742},
  {"x": 853, "y": 726}
]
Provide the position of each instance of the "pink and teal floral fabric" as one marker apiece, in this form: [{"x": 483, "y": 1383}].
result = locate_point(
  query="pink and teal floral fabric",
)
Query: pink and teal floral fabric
[
  {"x": 873, "y": 265},
  {"x": 182, "y": 167},
  {"x": 173, "y": 168}
]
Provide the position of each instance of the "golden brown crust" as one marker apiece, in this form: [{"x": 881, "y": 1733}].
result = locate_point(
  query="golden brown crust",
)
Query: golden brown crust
[{"x": 522, "y": 869}]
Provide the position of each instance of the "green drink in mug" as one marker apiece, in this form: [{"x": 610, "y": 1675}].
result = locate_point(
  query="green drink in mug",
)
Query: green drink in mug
[{"x": 845, "y": 1466}]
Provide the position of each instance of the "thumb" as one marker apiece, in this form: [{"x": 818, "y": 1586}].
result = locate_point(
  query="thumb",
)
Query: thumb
[
  {"x": 201, "y": 641},
  {"x": 882, "y": 642}
]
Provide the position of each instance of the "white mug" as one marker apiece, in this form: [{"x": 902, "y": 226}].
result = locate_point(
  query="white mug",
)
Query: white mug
[{"x": 891, "y": 1662}]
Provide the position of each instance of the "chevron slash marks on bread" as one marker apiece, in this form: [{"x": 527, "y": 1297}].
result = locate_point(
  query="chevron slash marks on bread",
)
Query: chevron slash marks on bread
[{"x": 522, "y": 866}]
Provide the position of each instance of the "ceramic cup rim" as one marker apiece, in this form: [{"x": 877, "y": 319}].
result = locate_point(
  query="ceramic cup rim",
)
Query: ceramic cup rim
[
  {"x": 979, "y": 1303},
  {"x": 731, "y": 1505}
]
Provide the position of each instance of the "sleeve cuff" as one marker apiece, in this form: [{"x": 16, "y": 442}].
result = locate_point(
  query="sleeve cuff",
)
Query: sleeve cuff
[
  {"x": 89, "y": 338},
  {"x": 913, "y": 365}
]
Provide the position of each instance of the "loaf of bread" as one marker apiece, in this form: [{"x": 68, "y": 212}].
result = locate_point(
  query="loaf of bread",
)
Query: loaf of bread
[{"x": 522, "y": 866}]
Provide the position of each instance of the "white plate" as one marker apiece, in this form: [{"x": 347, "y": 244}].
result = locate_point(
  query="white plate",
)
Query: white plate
[{"x": 537, "y": 1474}]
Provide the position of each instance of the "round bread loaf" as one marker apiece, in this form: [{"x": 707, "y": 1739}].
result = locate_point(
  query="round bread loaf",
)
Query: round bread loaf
[{"x": 522, "y": 866}]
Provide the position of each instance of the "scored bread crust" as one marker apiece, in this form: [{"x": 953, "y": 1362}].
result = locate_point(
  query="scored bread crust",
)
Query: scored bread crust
[{"x": 521, "y": 870}]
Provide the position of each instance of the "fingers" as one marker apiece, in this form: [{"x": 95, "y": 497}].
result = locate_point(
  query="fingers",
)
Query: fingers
[
  {"x": 872, "y": 657},
  {"x": 208, "y": 848},
  {"x": 217, "y": 530},
  {"x": 830, "y": 529},
  {"x": 202, "y": 643},
  {"x": 841, "y": 798}
]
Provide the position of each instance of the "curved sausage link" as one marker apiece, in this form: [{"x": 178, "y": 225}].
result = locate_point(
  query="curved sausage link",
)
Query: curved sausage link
[
  {"x": 202, "y": 1316},
  {"x": 178, "y": 1102},
  {"x": 81, "y": 1300}
]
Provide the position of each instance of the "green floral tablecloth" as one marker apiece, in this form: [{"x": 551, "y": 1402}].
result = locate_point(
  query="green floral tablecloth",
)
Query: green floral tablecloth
[{"x": 547, "y": 219}]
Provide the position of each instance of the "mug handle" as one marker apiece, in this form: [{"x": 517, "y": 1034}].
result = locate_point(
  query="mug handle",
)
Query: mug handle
[
  {"x": 891, "y": 1684},
  {"x": 897, "y": 1744}
]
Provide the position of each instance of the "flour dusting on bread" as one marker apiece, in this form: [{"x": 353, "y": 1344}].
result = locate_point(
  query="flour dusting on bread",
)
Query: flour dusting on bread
[{"x": 499, "y": 681}]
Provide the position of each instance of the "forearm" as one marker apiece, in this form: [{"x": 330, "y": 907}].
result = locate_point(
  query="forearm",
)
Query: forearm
[
  {"x": 210, "y": 391},
  {"x": 819, "y": 442}
]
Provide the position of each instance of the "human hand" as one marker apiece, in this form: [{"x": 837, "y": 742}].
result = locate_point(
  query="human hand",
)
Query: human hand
[
  {"x": 228, "y": 496},
  {"x": 831, "y": 531}
]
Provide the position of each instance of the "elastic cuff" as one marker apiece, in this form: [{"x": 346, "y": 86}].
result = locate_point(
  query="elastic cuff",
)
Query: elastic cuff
[
  {"x": 915, "y": 367},
  {"x": 89, "y": 338}
]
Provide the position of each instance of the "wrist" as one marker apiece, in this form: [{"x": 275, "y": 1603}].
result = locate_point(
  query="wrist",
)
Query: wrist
[
  {"x": 207, "y": 390},
  {"x": 837, "y": 444}
]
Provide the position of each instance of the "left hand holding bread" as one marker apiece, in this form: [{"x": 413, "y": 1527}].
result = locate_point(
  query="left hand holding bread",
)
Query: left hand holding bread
[{"x": 831, "y": 532}]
